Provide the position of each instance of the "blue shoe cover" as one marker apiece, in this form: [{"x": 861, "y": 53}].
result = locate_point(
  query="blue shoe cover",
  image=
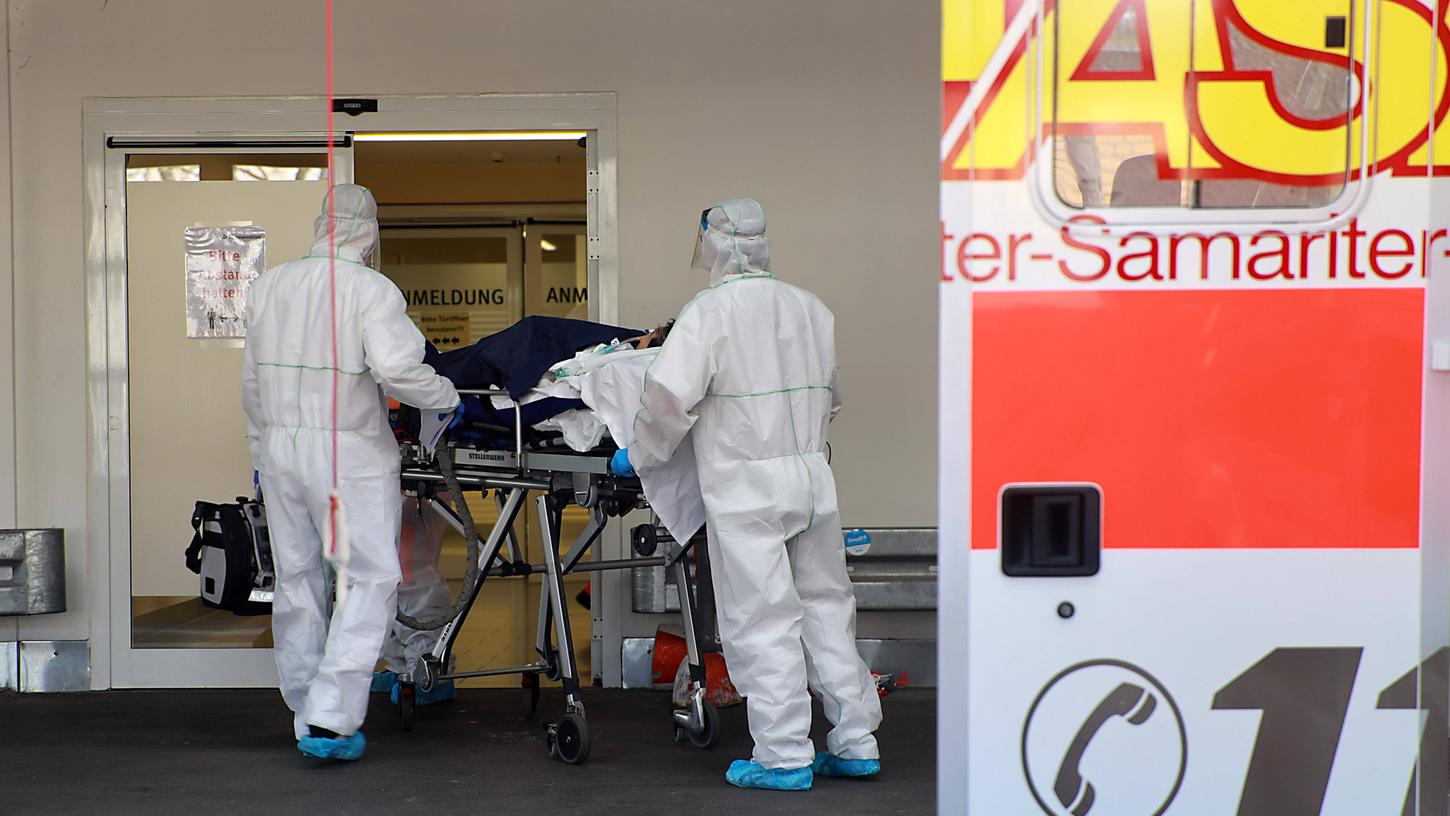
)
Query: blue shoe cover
[
  {"x": 383, "y": 682},
  {"x": 348, "y": 748},
  {"x": 827, "y": 764},
  {"x": 442, "y": 690},
  {"x": 745, "y": 773}
]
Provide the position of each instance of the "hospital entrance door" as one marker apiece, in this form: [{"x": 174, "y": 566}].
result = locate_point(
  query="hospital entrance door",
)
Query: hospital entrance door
[{"x": 191, "y": 226}]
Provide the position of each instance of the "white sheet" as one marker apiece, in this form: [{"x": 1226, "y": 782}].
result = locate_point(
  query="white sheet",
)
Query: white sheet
[
  {"x": 582, "y": 428},
  {"x": 609, "y": 379},
  {"x": 562, "y": 378},
  {"x": 673, "y": 489}
]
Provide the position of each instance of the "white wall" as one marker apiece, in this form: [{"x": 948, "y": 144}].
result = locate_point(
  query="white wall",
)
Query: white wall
[{"x": 827, "y": 112}]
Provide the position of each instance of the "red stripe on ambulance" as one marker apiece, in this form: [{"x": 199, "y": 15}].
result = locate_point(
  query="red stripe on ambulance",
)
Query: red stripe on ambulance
[{"x": 1144, "y": 393}]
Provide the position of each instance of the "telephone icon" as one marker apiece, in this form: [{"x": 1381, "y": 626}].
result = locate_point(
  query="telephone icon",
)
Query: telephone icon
[{"x": 1129, "y": 701}]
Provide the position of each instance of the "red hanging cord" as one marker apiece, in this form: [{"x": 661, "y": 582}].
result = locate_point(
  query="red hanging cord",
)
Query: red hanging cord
[{"x": 332, "y": 272}]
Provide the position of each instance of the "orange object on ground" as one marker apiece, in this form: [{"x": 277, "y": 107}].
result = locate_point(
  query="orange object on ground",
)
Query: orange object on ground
[
  {"x": 718, "y": 688},
  {"x": 668, "y": 670},
  {"x": 669, "y": 652}
]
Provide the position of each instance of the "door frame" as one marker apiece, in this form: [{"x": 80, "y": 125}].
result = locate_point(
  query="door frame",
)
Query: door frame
[
  {"x": 219, "y": 120},
  {"x": 533, "y": 233}
]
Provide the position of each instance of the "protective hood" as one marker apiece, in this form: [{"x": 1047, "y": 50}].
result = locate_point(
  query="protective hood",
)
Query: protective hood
[
  {"x": 354, "y": 222},
  {"x": 732, "y": 240}
]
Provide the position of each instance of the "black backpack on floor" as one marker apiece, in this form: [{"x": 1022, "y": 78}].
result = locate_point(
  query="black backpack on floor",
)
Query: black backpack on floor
[{"x": 231, "y": 552}]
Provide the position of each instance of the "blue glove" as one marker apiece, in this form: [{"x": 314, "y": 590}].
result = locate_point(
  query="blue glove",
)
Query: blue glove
[
  {"x": 256, "y": 480},
  {"x": 620, "y": 465},
  {"x": 457, "y": 417}
]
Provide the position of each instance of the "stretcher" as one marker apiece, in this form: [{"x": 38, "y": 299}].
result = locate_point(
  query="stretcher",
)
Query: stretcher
[{"x": 554, "y": 477}]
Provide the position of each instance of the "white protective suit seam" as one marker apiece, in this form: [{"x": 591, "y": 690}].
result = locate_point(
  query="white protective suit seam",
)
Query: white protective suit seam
[
  {"x": 810, "y": 480},
  {"x": 783, "y": 456},
  {"x": 298, "y": 428},
  {"x": 306, "y": 367},
  {"x": 788, "y": 390},
  {"x": 338, "y": 258},
  {"x": 316, "y": 428}
]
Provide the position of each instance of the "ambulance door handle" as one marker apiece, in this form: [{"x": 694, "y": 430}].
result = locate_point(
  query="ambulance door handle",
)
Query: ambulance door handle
[{"x": 1051, "y": 530}]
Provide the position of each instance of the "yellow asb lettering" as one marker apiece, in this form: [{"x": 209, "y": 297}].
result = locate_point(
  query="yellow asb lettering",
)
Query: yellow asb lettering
[
  {"x": 1221, "y": 116},
  {"x": 1244, "y": 122},
  {"x": 1122, "y": 100}
]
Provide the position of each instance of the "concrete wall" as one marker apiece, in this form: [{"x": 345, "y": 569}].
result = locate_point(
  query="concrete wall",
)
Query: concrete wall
[{"x": 827, "y": 112}]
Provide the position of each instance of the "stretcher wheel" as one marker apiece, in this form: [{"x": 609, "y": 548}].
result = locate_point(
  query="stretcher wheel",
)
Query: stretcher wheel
[
  {"x": 429, "y": 670},
  {"x": 531, "y": 695},
  {"x": 407, "y": 703},
  {"x": 645, "y": 540},
  {"x": 568, "y": 739},
  {"x": 708, "y": 736}
]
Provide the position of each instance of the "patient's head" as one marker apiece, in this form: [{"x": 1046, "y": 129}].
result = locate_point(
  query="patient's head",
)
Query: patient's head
[{"x": 654, "y": 338}]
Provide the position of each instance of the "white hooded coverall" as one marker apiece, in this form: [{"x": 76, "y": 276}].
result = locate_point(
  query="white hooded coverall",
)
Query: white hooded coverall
[
  {"x": 325, "y": 670},
  {"x": 751, "y": 367}
]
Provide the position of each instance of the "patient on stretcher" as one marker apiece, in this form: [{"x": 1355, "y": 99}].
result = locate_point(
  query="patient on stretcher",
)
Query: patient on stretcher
[
  {"x": 576, "y": 386},
  {"x": 539, "y": 362}
]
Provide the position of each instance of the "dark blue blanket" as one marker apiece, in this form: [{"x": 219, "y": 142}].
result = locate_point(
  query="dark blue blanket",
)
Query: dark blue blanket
[
  {"x": 518, "y": 356},
  {"x": 515, "y": 359}
]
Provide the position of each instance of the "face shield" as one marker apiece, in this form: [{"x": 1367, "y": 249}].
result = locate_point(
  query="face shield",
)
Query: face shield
[
  {"x": 731, "y": 241},
  {"x": 695, "y": 262},
  {"x": 373, "y": 258}
]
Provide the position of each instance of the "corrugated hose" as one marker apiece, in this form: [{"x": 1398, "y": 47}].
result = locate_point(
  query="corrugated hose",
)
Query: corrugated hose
[{"x": 471, "y": 574}]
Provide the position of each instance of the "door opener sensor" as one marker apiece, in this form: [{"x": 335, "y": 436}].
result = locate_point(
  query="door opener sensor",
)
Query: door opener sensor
[
  {"x": 354, "y": 107},
  {"x": 1051, "y": 531}
]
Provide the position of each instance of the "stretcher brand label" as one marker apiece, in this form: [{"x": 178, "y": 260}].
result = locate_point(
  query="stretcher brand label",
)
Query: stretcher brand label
[{"x": 470, "y": 456}]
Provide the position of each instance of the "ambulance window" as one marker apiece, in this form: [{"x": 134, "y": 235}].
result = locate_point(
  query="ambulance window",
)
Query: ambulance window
[
  {"x": 1308, "y": 89},
  {"x": 1104, "y": 158}
]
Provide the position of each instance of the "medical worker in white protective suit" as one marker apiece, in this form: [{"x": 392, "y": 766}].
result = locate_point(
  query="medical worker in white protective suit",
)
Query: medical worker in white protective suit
[
  {"x": 287, "y": 379},
  {"x": 751, "y": 367}
]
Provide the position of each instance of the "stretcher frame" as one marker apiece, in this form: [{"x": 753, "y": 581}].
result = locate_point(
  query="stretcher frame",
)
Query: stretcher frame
[{"x": 557, "y": 478}]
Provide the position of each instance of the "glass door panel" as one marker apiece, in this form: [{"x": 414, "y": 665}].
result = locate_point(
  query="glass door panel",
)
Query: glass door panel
[{"x": 187, "y": 428}]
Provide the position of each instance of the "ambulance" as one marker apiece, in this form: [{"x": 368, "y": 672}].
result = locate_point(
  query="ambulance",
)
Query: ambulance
[{"x": 1195, "y": 408}]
